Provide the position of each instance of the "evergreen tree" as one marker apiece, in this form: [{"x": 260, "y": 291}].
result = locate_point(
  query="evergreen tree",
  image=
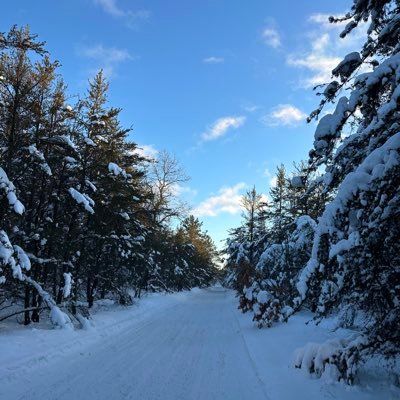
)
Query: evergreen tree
[
  {"x": 354, "y": 264},
  {"x": 83, "y": 216},
  {"x": 278, "y": 213}
]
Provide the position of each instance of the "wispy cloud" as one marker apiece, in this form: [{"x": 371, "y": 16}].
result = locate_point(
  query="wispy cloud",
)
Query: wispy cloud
[
  {"x": 228, "y": 200},
  {"x": 272, "y": 179},
  {"x": 323, "y": 20},
  {"x": 251, "y": 108},
  {"x": 325, "y": 51},
  {"x": 317, "y": 61},
  {"x": 184, "y": 191},
  {"x": 147, "y": 151},
  {"x": 109, "y": 54},
  {"x": 271, "y": 37},
  {"x": 284, "y": 114},
  {"x": 213, "y": 60},
  {"x": 106, "y": 58},
  {"x": 130, "y": 18},
  {"x": 221, "y": 127}
]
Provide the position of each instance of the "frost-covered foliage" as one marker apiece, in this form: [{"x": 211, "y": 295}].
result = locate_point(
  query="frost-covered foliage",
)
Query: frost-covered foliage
[
  {"x": 78, "y": 209},
  {"x": 355, "y": 257},
  {"x": 345, "y": 260},
  {"x": 246, "y": 242},
  {"x": 271, "y": 260},
  {"x": 335, "y": 359},
  {"x": 278, "y": 268},
  {"x": 8, "y": 190},
  {"x": 13, "y": 257},
  {"x": 83, "y": 199}
]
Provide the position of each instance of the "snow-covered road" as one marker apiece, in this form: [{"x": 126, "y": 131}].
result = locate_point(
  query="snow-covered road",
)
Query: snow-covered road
[
  {"x": 184, "y": 352},
  {"x": 192, "y": 347}
]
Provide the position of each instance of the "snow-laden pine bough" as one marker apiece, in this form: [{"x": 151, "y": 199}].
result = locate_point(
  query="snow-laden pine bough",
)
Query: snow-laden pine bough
[
  {"x": 355, "y": 255},
  {"x": 14, "y": 257},
  {"x": 270, "y": 296},
  {"x": 354, "y": 262}
]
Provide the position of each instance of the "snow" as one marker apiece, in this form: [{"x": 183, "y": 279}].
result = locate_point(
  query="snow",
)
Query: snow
[
  {"x": 8, "y": 187},
  {"x": 191, "y": 345},
  {"x": 91, "y": 185},
  {"x": 248, "y": 293},
  {"x": 40, "y": 157},
  {"x": 67, "y": 284},
  {"x": 117, "y": 170},
  {"x": 83, "y": 199},
  {"x": 58, "y": 318},
  {"x": 314, "y": 356},
  {"x": 297, "y": 182},
  {"x": 125, "y": 216},
  {"x": 67, "y": 140},
  {"x": 263, "y": 297},
  {"x": 70, "y": 160},
  {"x": 348, "y": 65},
  {"x": 89, "y": 141},
  {"x": 22, "y": 257},
  {"x": 6, "y": 253},
  {"x": 374, "y": 168}
]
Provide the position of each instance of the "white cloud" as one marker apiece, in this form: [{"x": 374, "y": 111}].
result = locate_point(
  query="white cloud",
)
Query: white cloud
[
  {"x": 213, "y": 60},
  {"x": 271, "y": 37},
  {"x": 228, "y": 200},
  {"x": 323, "y": 20},
  {"x": 272, "y": 182},
  {"x": 186, "y": 191},
  {"x": 318, "y": 61},
  {"x": 284, "y": 114},
  {"x": 221, "y": 126},
  {"x": 108, "y": 54},
  {"x": 251, "y": 108},
  {"x": 267, "y": 173},
  {"x": 130, "y": 18},
  {"x": 107, "y": 58},
  {"x": 147, "y": 151},
  {"x": 326, "y": 49}
]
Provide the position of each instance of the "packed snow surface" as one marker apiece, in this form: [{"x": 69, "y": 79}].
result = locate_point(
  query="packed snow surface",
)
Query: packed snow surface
[{"x": 192, "y": 345}]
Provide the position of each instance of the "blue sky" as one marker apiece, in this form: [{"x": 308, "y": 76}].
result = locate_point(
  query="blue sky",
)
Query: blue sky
[{"x": 225, "y": 85}]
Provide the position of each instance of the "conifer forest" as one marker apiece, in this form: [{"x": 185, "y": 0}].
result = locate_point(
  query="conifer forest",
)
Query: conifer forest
[{"x": 119, "y": 279}]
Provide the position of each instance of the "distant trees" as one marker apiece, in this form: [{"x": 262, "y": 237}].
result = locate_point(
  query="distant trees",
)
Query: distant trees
[
  {"x": 245, "y": 241},
  {"x": 332, "y": 229},
  {"x": 82, "y": 215},
  {"x": 273, "y": 259},
  {"x": 165, "y": 177}
]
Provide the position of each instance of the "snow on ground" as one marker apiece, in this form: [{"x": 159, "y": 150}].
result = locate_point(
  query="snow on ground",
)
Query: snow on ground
[{"x": 192, "y": 345}]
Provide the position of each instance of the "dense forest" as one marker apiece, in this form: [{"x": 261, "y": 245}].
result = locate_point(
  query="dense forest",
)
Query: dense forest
[
  {"x": 84, "y": 215},
  {"x": 327, "y": 237}
]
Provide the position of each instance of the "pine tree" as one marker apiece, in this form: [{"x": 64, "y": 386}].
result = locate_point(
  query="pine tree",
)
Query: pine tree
[
  {"x": 83, "y": 216},
  {"x": 246, "y": 242},
  {"x": 354, "y": 263},
  {"x": 278, "y": 213},
  {"x": 25, "y": 96}
]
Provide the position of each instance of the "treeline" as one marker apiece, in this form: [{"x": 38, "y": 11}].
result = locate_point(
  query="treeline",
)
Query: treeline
[
  {"x": 327, "y": 239},
  {"x": 83, "y": 214}
]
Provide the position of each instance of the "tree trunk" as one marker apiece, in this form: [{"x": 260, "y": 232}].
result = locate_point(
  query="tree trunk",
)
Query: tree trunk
[
  {"x": 27, "y": 314},
  {"x": 35, "y": 312}
]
